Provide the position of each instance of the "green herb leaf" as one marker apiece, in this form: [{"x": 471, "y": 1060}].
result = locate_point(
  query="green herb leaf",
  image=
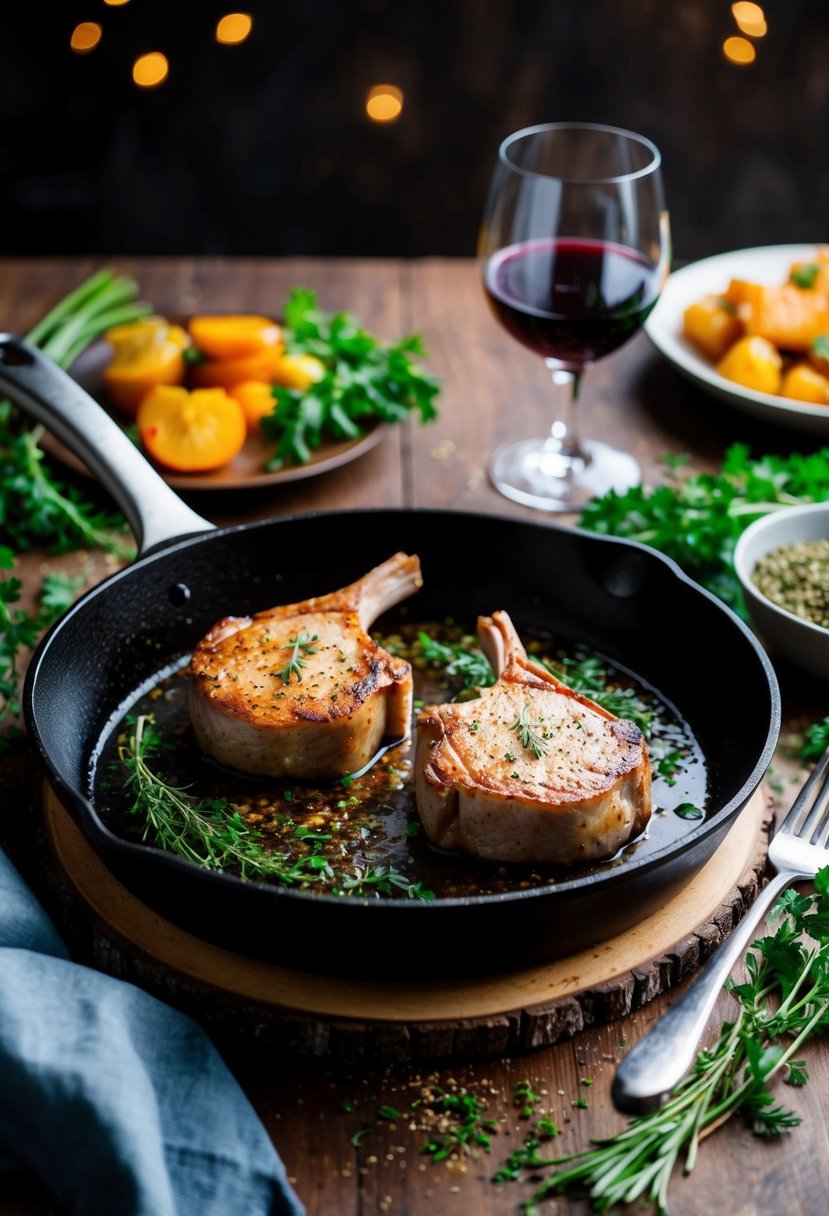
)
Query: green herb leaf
[
  {"x": 805, "y": 276},
  {"x": 365, "y": 382}
]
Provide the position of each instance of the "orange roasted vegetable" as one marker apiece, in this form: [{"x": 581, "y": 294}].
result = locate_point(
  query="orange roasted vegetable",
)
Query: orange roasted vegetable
[
  {"x": 712, "y": 324},
  {"x": 191, "y": 432},
  {"x": 145, "y": 353},
  {"x": 789, "y": 316},
  {"x": 234, "y": 337},
  {"x": 256, "y": 400},
  {"x": 224, "y": 373},
  {"x": 803, "y": 383},
  {"x": 754, "y": 363}
]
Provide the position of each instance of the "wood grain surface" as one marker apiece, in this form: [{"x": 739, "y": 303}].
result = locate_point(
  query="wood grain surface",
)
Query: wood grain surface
[{"x": 492, "y": 390}]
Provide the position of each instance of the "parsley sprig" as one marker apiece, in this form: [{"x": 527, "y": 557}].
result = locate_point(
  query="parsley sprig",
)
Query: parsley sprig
[
  {"x": 365, "y": 382},
  {"x": 783, "y": 1002},
  {"x": 697, "y": 519}
]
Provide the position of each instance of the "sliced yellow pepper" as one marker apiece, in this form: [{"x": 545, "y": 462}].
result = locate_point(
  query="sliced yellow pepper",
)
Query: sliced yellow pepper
[{"x": 146, "y": 353}]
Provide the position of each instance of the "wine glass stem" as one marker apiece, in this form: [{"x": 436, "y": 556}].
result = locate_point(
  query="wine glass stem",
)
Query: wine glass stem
[{"x": 564, "y": 437}]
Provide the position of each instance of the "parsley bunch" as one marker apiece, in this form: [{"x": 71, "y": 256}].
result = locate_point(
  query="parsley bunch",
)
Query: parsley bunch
[
  {"x": 782, "y": 1003},
  {"x": 38, "y": 508},
  {"x": 364, "y": 382},
  {"x": 697, "y": 520}
]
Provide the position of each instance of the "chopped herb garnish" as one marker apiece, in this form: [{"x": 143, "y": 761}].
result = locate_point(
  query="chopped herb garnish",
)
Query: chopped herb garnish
[
  {"x": 302, "y": 642},
  {"x": 530, "y": 733},
  {"x": 805, "y": 276},
  {"x": 687, "y": 810}
]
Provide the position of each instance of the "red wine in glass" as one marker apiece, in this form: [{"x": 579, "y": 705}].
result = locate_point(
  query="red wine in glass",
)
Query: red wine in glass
[
  {"x": 574, "y": 249},
  {"x": 571, "y": 300}
]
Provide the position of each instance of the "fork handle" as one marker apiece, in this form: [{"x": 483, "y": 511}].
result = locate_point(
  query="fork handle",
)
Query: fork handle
[{"x": 650, "y": 1071}]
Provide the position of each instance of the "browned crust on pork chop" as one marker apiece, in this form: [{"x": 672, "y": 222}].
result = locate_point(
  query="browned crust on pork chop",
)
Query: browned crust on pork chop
[
  {"x": 301, "y": 690},
  {"x": 480, "y": 789}
]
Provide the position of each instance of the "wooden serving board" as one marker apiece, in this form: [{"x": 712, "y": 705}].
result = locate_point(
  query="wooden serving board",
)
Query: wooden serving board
[{"x": 351, "y": 1019}]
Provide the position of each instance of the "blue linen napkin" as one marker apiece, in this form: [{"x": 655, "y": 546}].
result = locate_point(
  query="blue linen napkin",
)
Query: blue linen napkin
[{"x": 118, "y": 1102}]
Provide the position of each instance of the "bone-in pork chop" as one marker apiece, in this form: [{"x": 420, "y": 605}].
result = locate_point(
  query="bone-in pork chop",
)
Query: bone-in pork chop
[
  {"x": 302, "y": 691},
  {"x": 531, "y": 771}
]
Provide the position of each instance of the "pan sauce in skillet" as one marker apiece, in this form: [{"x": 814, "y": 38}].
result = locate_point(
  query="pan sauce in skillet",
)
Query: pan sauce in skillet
[{"x": 372, "y": 822}]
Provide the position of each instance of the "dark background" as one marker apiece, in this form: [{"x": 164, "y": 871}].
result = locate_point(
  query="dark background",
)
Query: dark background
[{"x": 265, "y": 148}]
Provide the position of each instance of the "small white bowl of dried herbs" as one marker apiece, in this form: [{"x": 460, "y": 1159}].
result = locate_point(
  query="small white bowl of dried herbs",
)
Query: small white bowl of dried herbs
[{"x": 782, "y": 562}]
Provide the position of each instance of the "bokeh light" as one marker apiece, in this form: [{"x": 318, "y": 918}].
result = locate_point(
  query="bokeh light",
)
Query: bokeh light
[
  {"x": 233, "y": 28},
  {"x": 750, "y": 18},
  {"x": 739, "y": 50},
  {"x": 85, "y": 36},
  {"x": 116, "y": 3},
  {"x": 384, "y": 103},
  {"x": 150, "y": 70}
]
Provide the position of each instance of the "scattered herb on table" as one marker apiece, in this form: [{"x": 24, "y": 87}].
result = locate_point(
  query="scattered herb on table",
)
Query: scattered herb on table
[
  {"x": 365, "y": 382},
  {"x": 697, "y": 519},
  {"x": 814, "y": 742},
  {"x": 20, "y": 630},
  {"x": 460, "y": 1123},
  {"x": 782, "y": 1003}
]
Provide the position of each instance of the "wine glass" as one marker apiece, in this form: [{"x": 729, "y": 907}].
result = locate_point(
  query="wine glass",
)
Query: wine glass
[{"x": 574, "y": 250}]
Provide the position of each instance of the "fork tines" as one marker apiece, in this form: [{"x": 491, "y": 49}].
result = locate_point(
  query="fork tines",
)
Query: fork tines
[{"x": 808, "y": 818}]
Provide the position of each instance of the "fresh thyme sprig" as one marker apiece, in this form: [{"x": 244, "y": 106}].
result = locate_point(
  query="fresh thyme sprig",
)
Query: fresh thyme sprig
[
  {"x": 301, "y": 642},
  {"x": 783, "y": 1002},
  {"x": 202, "y": 830},
  {"x": 531, "y": 734},
  {"x": 211, "y": 834}
]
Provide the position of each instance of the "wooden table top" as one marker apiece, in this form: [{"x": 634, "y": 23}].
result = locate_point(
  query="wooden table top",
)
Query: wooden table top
[{"x": 493, "y": 390}]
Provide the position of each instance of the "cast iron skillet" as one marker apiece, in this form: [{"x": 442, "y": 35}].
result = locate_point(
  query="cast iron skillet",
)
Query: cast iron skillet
[{"x": 623, "y": 599}]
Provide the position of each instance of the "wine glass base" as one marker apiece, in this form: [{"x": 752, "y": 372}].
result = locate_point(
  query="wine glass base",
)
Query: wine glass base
[{"x": 537, "y": 474}]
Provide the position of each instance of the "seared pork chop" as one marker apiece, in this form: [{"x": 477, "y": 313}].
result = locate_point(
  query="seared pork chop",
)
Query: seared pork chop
[
  {"x": 302, "y": 691},
  {"x": 531, "y": 771}
]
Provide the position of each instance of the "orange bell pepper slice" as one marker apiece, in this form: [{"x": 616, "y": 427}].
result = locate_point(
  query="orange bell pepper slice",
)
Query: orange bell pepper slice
[
  {"x": 146, "y": 353},
  {"x": 256, "y": 399},
  {"x": 224, "y": 373},
  {"x": 191, "y": 432},
  {"x": 234, "y": 337}
]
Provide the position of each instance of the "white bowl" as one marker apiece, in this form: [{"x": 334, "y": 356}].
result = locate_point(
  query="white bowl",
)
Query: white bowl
[{"x": 801, "y": 642}]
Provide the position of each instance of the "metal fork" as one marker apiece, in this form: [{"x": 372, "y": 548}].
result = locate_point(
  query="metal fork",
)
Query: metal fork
[{"x": 648, "y": 1074}]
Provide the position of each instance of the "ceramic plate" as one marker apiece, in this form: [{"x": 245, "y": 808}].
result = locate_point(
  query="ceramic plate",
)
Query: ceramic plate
[
  {"x": 768, "y": 264},
  {"x": 245, "y": 471}
]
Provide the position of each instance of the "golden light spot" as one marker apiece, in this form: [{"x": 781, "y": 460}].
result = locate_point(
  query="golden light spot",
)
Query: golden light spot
[
  {"x": 85, "y": 36},
  {"x": 116, "y": 3},
  {"x": 233, "y": 28},
  {"x": 739, "y": 50},
  {"x": 750, "y": 18},
  {"x": 150, "y": 70},
  {"x": 384, "y": 103}
]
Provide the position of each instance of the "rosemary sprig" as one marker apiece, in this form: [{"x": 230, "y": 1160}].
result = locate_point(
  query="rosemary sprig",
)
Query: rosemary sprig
[
  {"x": 301, "y": 642},
  {"x": 531, "y": 734},
  {"x": 784, "y": 1001}
]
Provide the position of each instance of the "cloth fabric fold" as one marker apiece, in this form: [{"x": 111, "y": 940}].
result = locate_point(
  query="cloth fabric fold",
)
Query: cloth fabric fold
[{"x": 119, "y": 1103}]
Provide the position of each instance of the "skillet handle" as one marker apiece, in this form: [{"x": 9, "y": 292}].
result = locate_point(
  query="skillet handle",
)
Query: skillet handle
[{"x": 40, "y": 388}]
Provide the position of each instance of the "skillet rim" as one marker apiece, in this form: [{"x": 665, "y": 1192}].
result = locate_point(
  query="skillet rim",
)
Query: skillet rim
[{"x": 721, "y": 819}]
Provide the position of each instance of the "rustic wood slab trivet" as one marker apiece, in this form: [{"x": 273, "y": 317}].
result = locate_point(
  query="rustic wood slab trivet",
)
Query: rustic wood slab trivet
[{"x": 382, "y": 1021}]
